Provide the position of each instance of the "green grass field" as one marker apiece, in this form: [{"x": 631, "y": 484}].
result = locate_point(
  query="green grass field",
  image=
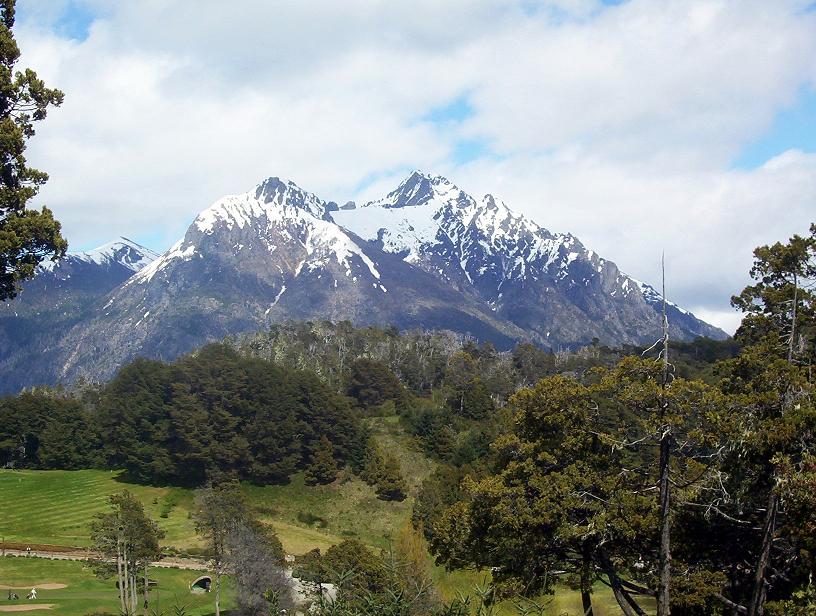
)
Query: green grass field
[
  {"x": 56, "y": 507},
  {"x": 86, "y": 594}
]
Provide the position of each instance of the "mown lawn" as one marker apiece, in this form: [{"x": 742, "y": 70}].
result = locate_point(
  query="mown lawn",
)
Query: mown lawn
[
  {"x": 85, "y": 594},
  {"x": 56, "y": 507}
]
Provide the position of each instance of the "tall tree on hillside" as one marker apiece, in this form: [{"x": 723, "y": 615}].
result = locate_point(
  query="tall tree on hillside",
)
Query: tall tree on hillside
[
  {"x": 219, "y": 512},
  {"x": 780, "y": 306},
  {"x": 128, "y": 542},
  {"x": 577, "y": 490},
  {"x": 371, "y": 383},
  {"x": 773, "y": 377},
  {"x": 27, "y": 237},
  {"x": 322, "y": 467}
]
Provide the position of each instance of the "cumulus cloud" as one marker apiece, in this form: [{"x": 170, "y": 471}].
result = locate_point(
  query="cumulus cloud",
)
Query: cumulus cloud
[{"x": 617, "y": 123}]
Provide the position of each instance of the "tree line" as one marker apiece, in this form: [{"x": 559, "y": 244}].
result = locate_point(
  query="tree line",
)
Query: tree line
[
  {"x": 212, "y": 411},
  {"x": 694, "y": 495}
]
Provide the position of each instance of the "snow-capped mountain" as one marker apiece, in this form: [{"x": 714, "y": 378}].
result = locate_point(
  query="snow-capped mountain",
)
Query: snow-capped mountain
[
  {"x": 425, "y": 255},
  {"x": 59, "y": 297},
  {"x": 547, "y": 283},
  {"x": 120, "y": 253}
]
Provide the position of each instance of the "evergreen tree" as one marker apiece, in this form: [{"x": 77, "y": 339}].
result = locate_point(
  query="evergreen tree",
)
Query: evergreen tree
[
  {"x": 475, "y": 401},
  {"x": 772, "y": 377},
  {"x": 27, "y": 237},
  {"x": 373, "y": 463},
  {"x": 46, "y": 429},
  {"x": 323, "y": 467},
  {"x": 371, "y": 383},
  {"x": 390, "y": 484},
  {"x": 560, "y": 504}
]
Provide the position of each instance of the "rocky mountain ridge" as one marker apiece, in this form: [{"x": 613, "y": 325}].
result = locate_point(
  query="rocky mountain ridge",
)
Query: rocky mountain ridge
[{"x": 426, "y": 255}]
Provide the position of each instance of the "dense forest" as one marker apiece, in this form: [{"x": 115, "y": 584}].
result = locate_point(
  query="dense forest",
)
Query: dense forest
[
  {"x": 684, "y": 474},
  {"x": 266, "y": 406},
  {"x": 177, "y": 423}
]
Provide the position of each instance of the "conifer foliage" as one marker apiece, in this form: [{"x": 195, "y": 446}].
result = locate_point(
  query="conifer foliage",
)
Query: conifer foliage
[
  {"x": 382, "y": 470},
  {"x": 27, "y": 236},
  {"x": 217, "y": 411},
  {"x": 694, "y": 495},
  {"x": 322, "y": 467}
]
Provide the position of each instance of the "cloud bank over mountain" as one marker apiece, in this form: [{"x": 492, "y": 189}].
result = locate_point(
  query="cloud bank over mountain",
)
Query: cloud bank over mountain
[{"x": 628, "y": 124}]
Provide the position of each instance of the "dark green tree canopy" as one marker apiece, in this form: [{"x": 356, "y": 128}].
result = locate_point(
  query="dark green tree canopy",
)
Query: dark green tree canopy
[
  {"x": 27, "y": 237},
  {"x": 217, "y": 411},
  {"x": 371, "y": 383}
]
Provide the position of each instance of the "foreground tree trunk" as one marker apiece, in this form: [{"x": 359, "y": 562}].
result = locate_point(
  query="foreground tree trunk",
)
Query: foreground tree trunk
[
  {"x": 663, "y": 592},
  {"x": 134, "y": 602},
  {"x": 126, "y": 579},
  {"x": 218, "y": 589},
  {"x": 757, "y": 605},
  {"x": 586, "y": 584},
  {"x": 664, "y": 561},
  {"x": 625, "y": 601},
  {"x": 146, "y": 586},
  {"x": 120, "y": 578}
]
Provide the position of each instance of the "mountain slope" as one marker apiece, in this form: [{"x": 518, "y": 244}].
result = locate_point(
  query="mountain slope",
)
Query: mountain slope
[
  {"x": 548, "y": 284},
  {"x": 60, "y": 296},
  {"x": 426, "y": 255},
  {"x": 256, "y": 258}
]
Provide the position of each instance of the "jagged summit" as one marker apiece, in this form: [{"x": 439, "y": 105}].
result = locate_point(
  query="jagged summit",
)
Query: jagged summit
[
  {"x": 270, "y": 200},
  {"x": 426, "y": 255},
  {"x": 418, "y": 189},
  {"x": 286, "y": 193}
]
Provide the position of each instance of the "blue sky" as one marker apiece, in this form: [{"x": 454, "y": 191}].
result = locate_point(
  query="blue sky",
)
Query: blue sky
[
  {"x": 640, "y": 126},
  {"x": 793, "y": 127}
]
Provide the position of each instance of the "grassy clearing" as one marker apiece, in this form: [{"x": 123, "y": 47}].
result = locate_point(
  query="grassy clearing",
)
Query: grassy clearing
[
  {"x": 56, "y": 507},
  {"x": 346, "y": 508},
  {"x": 86, "y": 594}
]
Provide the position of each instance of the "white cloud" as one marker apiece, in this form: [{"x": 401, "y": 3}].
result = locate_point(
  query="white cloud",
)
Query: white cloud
[{"x": 616, "y": 123}]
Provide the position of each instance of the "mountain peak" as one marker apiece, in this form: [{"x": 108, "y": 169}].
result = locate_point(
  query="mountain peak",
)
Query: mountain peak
[
  {"x": 268, "y": 200},
  {"x": 275, "y": 190},
  {"x": 122, "y": 250},
  {"x": 418, "y": 189}
]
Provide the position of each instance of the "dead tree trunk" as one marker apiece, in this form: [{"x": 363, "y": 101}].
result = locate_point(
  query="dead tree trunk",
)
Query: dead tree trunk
[
  {"x": 757, "y": 605},
  {"x": 664, "y": 565}
]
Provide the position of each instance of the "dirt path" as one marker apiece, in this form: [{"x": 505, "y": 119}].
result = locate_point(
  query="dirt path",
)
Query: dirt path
[
  {"x": 30, "y": 607},
  {"x": 167, "y": 563},
  {"x": 44, "y": 586}
]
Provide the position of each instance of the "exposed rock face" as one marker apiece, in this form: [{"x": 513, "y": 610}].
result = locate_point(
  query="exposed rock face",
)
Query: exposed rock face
[
  {"x": 426, "y": 255},
  {"x": 61, "y": 296}
]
